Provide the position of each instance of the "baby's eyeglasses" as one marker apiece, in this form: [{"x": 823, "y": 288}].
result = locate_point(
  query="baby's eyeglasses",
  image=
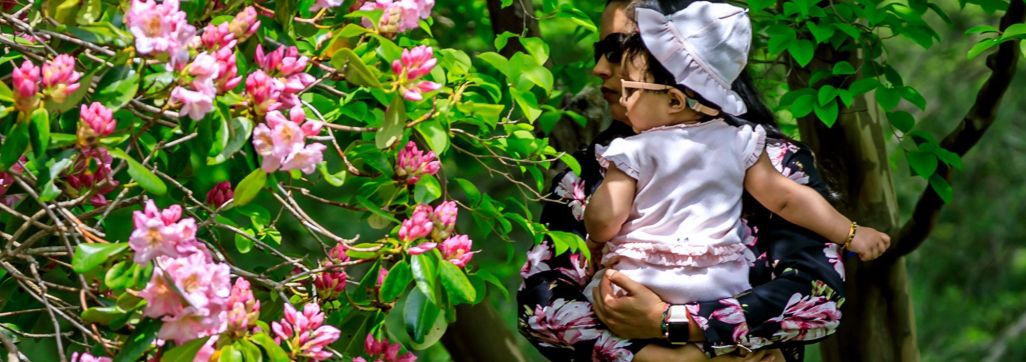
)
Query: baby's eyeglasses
[
  {"x": 628, "y": 88},
  {"x": 611, "y": 47}
]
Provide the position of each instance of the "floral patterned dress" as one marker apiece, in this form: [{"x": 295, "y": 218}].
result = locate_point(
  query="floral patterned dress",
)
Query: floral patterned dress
[{"x": 797, "y": 278}]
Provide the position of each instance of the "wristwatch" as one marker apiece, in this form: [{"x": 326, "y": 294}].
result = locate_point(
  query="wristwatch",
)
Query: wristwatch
[{"x": 677, "y": 325}]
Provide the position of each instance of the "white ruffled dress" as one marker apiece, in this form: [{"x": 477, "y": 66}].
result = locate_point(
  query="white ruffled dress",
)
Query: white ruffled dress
[{"x": 684, "y": 238}]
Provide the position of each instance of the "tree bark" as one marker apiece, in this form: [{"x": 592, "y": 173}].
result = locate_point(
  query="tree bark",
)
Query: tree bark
[
  {"x": 877, "y": 323},
  {"x": 517, "y": 19},
  {"x": 479, "y": 334}
]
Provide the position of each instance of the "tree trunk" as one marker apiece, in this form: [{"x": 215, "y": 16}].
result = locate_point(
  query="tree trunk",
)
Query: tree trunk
[
  {"x": 517, "y": 19},
  {"x": 878, "y": 324}
]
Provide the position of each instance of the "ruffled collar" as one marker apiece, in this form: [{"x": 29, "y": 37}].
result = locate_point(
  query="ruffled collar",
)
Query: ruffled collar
[{"x": 684, "y": 125}]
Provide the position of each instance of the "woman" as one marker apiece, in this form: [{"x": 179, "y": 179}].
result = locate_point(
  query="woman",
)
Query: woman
[{"x": 797, "y": 278}]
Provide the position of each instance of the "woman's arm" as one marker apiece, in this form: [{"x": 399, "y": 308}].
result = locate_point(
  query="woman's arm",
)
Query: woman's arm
[
  {"x": 610, "y": 205},
  {"x": 802, "y": 206}
]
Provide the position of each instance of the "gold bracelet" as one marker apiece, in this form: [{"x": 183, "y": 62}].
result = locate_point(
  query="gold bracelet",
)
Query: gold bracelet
[{"x": 851, "y": 235}]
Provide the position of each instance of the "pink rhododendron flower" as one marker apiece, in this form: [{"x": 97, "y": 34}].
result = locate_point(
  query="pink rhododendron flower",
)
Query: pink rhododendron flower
[
  {"x": 422, "y": 248},
  {"x": 381, "y": 350},
  {"x": 418, "y": 225},
  {"x": 445, "y": 213},
  {"x": 456, "y": 249},
  {"x": 228, "y": 70},
  {"x": 399, "y": 15},
  {"x": 287, "y": 65},
  {"x": 195, "y": 104},
  {"x": 98, "y": 119},
  {"x": 330, "y": 283},
  {"x": 159, "y": 28},
  {"x": 245, "y": 24},
  {"x": 86, "y": 357},
  {"x": 280, "y": 142},
  {"x": 412, "y": 65},
  {"x": 60, "y": 78},
  {"x": 304, "y": 333},
  {"x": 191, "y": 294},
  {"x": 216, "y": 37},
  {"x": 338, "y": 253},
  {"x": 26, "y": 80},
  {"x": 263, "y": 92},
  {"x": 243, "y": 308},
  {"x": 325, "y": 4},
  {"x": 207, "y": 351},
  {"x": 162, "y": 233},
  {"x": 413, "y": 163},
  {"x": 220, "y": 194}
]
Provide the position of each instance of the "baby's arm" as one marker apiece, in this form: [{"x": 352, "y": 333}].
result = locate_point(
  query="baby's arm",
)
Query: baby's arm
[
  {"x": 610, "y": 205},
  {"x": 804, "y": 207}
]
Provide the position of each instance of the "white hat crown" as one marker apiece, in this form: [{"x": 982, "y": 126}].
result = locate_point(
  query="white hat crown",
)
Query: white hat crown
[{"x": 705, "y": 46}]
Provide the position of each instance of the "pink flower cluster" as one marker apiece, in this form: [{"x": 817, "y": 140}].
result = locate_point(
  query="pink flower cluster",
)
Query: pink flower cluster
[
  {"x": 413, "y": 163},
  {"x": 7, "y": 179},
  {"x": 86, "y": 357},
  {"x": 160, "y": 29},
  {"x": 439, "y": 224},
  {"x": 288, "y": 68},
  {"x": 245, "y": 24},
  {"x": 197, "y": 98},
  {"x": 398, "y": 15},
  {"x": 190, "y": 294},
  {"x": 281, "y": 142},
  {"x": 331, "y": 282},
  {"x": 305, "y": 333},
  {"x": 243, "y": 309},
  {"x": 411, "y": 66},
  {"x": 220, "y": 194},
  {"x": 382, "y": 351},
  {"x": 58, "y": 79},
  {"x": 92, "y": 171},
  {"x": 97, "y": 119},
  {"x": 188, "y": 290},
  {"x": 263, "y": 92},
  {"x": 162, "y": 232}
]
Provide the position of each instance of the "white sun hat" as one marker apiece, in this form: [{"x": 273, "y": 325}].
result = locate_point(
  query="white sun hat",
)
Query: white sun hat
[{"x": 705, "y": 47}]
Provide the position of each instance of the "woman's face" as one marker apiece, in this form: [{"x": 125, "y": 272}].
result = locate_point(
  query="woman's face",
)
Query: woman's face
[{"x": 614, "y": 20}]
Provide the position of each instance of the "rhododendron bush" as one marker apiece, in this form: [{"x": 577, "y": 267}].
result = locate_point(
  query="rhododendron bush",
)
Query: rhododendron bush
[{"x": 246, "y": 181}]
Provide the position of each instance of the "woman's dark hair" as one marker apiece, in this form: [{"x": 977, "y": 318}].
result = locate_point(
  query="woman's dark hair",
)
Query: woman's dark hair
[{"x": 758, "y": 113}]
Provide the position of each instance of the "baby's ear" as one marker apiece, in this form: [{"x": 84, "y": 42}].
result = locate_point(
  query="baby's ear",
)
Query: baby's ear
[{"x": 678, "y": 101}]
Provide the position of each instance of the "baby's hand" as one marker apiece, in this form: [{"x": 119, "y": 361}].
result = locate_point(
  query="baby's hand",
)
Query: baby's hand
[{"x": 869, "y": 243}]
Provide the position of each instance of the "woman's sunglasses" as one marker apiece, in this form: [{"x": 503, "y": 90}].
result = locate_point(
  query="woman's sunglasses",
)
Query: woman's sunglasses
[{"x": 611, "y": 47}]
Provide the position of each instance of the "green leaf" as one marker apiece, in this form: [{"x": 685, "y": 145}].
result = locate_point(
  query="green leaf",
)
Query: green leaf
[
  {"x": 15, "y": 143},
  {"x": 118, "y": 276},
  {"x": 425, "y": 273},
  {"x": 843, "y": 68},
  {"x": 802, "y": 106},
  {"x": 106, "y": 316},
  {"x": 242, "y": 243},
  {"x": 826, "y": 94},
  {"x": 901, "y": 120},
  {"x": 250, "y": 352},
  {"x": 392, "y": 125},
  {"x": 571, "y": 162},
  {"x": 981, "y": 47},
  {"x": 527, "y": 102},
  {"x": 274, "y": 351},
  {"x": 456, "y": 284},
  {"x": 537, "y": 48},
  {"x": 923, "y": 163},
  {"x": 139, "y": 342},
  {"x": 1014, "y": 31},
  {"x": 6, "y": 95},
  {"x": 827, "y": 113},
  {"x": 502, "y": 39},
  {"x": 473, "y": 194},
  {"x": 822, "y": 33},
  {"x": 941, "y": 187},
  {"x": 334, "y": 179},
  {"x": 185, "y": 352},
  {"x": 239, "y": 130},
  {"x": 435, "y": 134},
  {"x": 981, "y": 29},
  {"x": 576, "y": 16},
  {"x": 802, "y": 50},
  {"x": 861, "y": 86},
  {"x": 146, "y": 179},
  {"x": 398, "y": 278},
  {"x": 425, "y": 322},
  {"x": 950, "y": 158},
  {"x": 912, "y": 95},
  {"x": 117, "y": 87},
  {"x": 563, "y": 241},
  {"x": 888, "y": 98},
  {"x": 230, "y": 354},
  {"x": 89, "y": 256},
  {"x": 427, "y": 190},
  {"x": 496, "y": 60},
  {"x": 75, "y": 98},
  {"x": 39, "y": 132},
  {"x": 846, "y": 97},
  {"x": 355, "y": 70},
  {"x": 50, "y": 191},
  {"x": 250, "y": 186}
]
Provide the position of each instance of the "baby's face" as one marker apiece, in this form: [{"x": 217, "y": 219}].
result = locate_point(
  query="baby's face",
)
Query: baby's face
[{"x": 645, "y": 108}]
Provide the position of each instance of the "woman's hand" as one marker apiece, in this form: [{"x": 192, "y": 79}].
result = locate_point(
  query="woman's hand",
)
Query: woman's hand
[
  {"x": 869, "y": 243},
  {"x": 637, "y": 315}
]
